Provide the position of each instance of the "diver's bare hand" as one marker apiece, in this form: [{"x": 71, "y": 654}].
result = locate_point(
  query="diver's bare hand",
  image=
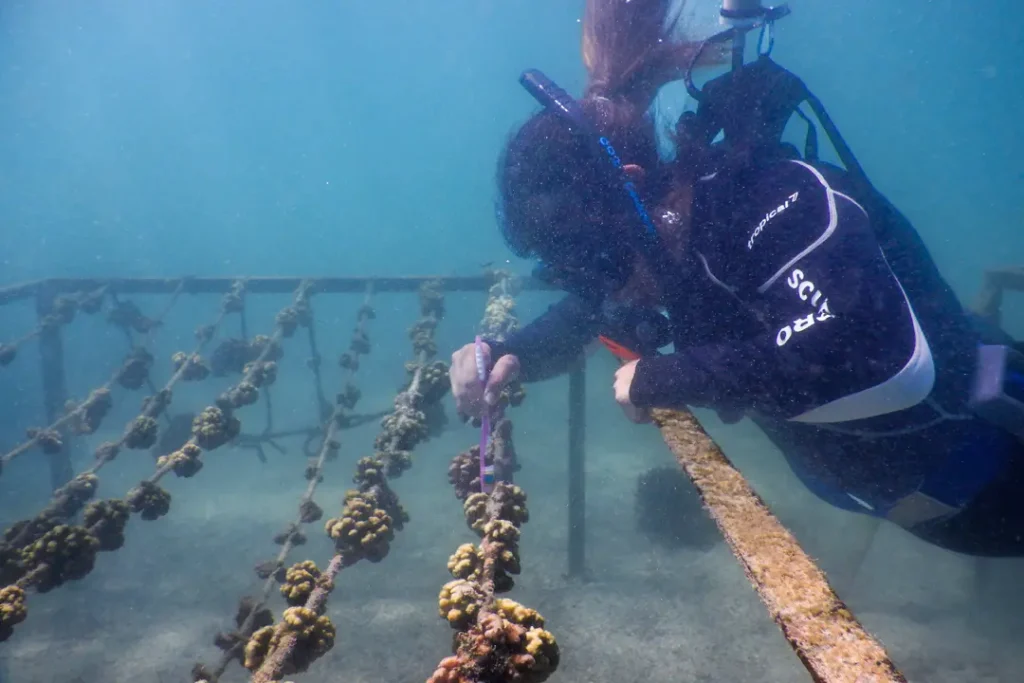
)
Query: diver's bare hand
[
  {"x": 470, "y": 397},
  {"x": 623, "y": 383}
]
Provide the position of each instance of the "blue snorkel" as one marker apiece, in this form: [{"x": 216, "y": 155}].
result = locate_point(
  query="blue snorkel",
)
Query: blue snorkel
[{"x": 556, "y": 100}]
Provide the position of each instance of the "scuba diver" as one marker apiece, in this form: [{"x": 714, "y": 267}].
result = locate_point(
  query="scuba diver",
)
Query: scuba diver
[{"x": 792, "y": 292}]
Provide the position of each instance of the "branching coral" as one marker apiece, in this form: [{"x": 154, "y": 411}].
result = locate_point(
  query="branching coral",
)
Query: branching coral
[
  {"x": 135, "y": 369},
  {"x": 44, "y": 551},
  {"x": 126, "y": 314},
  {"x": 304, "y": 634},
  {"x": 284, "y": 648},
  {"x": 406, "y": 426},
  {"x": 363, "y": 531},
  {"x": 213, "y": 428},
  {"x": 261, "y": 373},
  {"x": 69, "y": 499},
  {"x": 464, "y": 473},
  {"x": 498, "y": 649},
  {"x": 299, "y": 582},
  {"x": 49, "y": 440},
  {"x": 460, "y": 602},
  {"x": 12, "y": 610},
  {"x": 499, "y": 640},
  {"x": 250, "y": 617},
  {"x": 422, "y": 335},
  {"x": 500, "y": 319},
  {"x": 141, "y": 433},
  {"x": 371, "y": 515},
  {"x": 185, "y": 462},
  {"x": 106, "y": 520},
  {"x": 192, "y": 367},
  {"x": 11, "y": 568},
  {"x": 149, "y": 500},
  {"x": 467, "y": 562},
  {"x": 90, "y": 413},
  {"x": 64, "y": 553}
]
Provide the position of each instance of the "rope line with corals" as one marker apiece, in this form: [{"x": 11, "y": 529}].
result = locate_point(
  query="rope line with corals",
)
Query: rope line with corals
[
  {"x": 62, "y": 312},
  {"x": 52, "y": 552},
  {"x": 370, "y": 516},
  {"x": 497, "y": 639},
  {"x": 500, "y": 319},
  {"x": 498, "y": 322},
  {"x": 300, "y": 580},
  {"x": 67, "y": 501},
  {"x": 86, "y": 417}
]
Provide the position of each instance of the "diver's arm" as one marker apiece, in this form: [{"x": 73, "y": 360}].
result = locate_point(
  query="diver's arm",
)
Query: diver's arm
[
  {"x": 547, "y": 346},
  {"x": 837, "y": 319}
]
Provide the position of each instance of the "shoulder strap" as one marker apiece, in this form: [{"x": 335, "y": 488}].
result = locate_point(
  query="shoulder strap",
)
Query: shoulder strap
[{"x": 750, "y": 107}]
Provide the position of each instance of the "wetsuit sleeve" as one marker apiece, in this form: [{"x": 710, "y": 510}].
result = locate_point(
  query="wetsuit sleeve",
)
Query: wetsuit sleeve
[
  {"x": 548, "y": 345},
  {"x": 802, "y": 258}
]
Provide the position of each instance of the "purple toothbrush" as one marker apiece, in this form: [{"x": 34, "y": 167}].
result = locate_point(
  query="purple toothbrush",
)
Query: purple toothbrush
[{"x": 486, "y": 471}]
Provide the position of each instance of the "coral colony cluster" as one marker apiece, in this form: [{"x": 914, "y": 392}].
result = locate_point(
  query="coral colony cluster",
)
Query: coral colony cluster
[
  {"x": 371, "y": 514},
  {"x": 496, "y": 639},
  {"x": 57, "y": 545}
]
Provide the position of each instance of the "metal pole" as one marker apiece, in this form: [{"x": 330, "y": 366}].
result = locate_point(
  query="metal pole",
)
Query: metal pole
[
  {"x": 577, "y": 467},
  {"x": 739, "y": 47},
  {"x": 55, "y": 393}
]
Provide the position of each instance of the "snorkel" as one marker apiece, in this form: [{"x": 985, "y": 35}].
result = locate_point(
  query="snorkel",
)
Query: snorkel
[{"x": 645, "y": 238}]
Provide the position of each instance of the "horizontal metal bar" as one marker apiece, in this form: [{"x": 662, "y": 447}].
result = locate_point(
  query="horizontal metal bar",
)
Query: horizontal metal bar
[
  {"x": 824, "y": 634},
  {"x": 284, "y": 285},
  {"x": 22, "y": 290}
]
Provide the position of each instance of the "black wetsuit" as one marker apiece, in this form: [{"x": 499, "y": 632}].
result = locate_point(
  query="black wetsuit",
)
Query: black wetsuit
[{"x": 837, "y": 336}]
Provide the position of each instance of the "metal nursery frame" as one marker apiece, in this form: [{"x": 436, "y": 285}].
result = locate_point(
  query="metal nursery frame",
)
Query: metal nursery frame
[
  {"x": 823, "y": 633},
  {"x": 55, "y": 394}
]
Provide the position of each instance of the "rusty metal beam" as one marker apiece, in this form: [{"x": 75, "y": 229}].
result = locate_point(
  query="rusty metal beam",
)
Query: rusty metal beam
[{"x": 823, "y": 633}]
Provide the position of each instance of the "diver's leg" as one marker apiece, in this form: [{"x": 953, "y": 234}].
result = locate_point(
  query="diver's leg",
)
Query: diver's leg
[{"x": 992, "y": 525}]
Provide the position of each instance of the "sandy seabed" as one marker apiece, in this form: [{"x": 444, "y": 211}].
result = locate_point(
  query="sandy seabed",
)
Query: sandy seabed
[{"x": 643, "y": 613}]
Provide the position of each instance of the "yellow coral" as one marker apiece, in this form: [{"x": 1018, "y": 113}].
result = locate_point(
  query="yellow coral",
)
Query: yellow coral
[
  {"x": 543, "y": 648},
  {"x": 459, "y": 603},
  {"x": 518, "y": 614},
  {"x": 299, "y": 582},
  {"x": 142, "y": 433},
  {"x": 258, "y": 647},
  {"x": 12, "y": 609},
  {"x": 466, "y": 562},
  {"x": 475, "y": 509},
  {"x": 501, "y": 531},
  {"x": 362, "y": 531}
]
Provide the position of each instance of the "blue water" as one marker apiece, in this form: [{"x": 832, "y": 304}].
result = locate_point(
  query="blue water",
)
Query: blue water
[{"x": 168, "y": 138}]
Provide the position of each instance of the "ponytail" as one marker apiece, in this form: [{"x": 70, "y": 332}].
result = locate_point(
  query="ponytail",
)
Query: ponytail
[{"x": 631, "y": 48}]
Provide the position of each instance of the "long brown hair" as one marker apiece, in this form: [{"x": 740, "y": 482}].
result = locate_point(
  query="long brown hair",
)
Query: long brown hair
[
  {"x": 549, "y": 182},
  {"x": 631, "y": 48}
]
